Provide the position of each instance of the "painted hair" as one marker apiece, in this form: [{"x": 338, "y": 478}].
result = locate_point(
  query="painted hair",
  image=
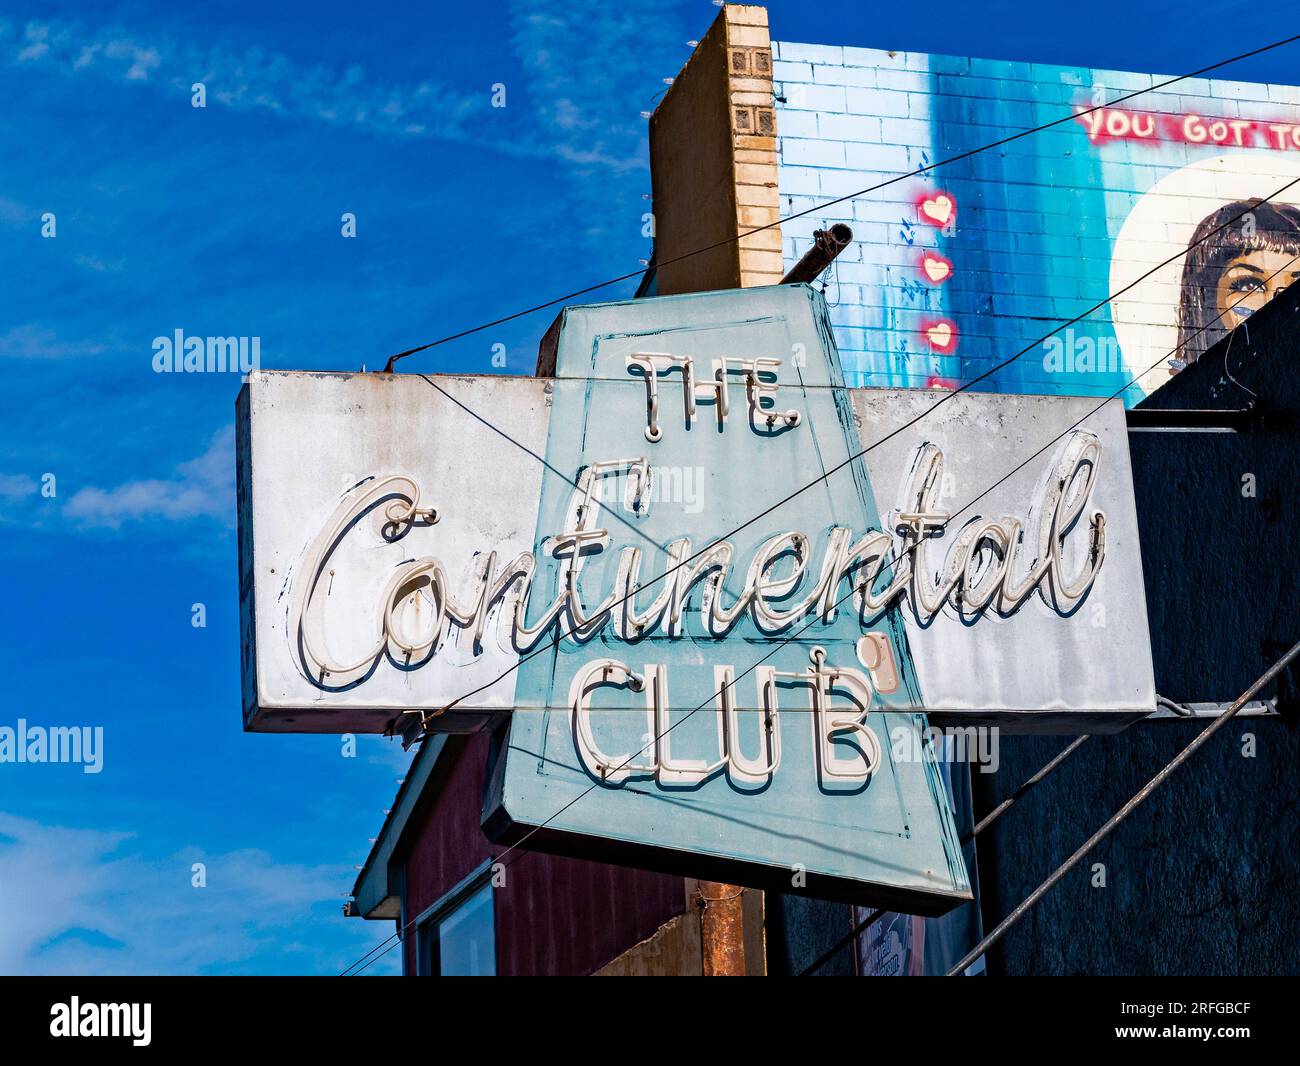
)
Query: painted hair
[{"x": 1219, "y": 239}]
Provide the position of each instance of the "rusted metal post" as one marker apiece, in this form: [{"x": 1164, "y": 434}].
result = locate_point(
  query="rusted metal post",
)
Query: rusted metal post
[{"x": 722, "y": 929}]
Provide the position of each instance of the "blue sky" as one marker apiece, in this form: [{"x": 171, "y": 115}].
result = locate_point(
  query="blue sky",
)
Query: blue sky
[{"x": 225, "y": 221}]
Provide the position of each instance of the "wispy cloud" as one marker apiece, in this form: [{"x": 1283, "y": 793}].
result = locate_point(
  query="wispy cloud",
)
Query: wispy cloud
[
  {"x": 587, "y": 107},
  {"x": 590, "y": 110},
  {"x": 203, "y": 487},
  {"x": 15, "y": 487},
  {"x": 87, "y": 901},
  {"x": 586, "y": 113},
  {"x": 98, "y": 265},
  {"x": 33, "y": 341},
  {"x": 12, "y": 213},
  {"x": 251, "y": 79}
]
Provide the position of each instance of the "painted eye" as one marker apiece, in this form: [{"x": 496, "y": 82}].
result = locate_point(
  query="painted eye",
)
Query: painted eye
[{"x": 1243, "y": 289}]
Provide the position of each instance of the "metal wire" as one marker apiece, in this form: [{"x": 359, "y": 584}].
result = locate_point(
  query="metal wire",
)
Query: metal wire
[
  {"x": 838, "y": 200},
  {"x": 855, "y": 456}
]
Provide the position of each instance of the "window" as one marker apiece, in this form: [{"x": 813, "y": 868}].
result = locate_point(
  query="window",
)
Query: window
[{"x": 456, "y": 937}]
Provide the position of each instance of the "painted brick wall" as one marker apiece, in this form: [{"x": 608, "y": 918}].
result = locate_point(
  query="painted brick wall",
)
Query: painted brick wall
[{"x": 1024, "y": 237}]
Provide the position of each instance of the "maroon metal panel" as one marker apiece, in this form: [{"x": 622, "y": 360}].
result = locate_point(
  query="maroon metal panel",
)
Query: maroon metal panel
[{"x": 553, "y": 915}]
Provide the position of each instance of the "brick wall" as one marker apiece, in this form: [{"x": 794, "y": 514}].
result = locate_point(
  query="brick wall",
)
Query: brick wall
[
  {"x": 1038, "y": 233},
  {"x": 713, "y": 163}
]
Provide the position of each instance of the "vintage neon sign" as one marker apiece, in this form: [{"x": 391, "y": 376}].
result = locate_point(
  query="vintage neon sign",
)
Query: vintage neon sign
[
  {"x": 743, "y": 671},
  {"x": 993, "y": 563},
  {"x": 879, "y": 675},
  {"x": 728, "y": 675}
]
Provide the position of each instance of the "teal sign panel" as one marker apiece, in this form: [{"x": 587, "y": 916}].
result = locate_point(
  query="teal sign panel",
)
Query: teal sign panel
[{"x": 733, "y": 718}]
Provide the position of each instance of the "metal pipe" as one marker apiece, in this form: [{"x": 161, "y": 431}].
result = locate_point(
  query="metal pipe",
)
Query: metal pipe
[
  {"x": 722, "y": 929},
  {"x": 827, "y": 245}
]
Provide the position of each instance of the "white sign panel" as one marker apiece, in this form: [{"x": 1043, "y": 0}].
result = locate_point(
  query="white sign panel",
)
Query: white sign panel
[{"x": 388, "y": 555}]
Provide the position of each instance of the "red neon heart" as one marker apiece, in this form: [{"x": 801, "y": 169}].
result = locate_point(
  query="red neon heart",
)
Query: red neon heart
[
  {"x": 939, "y": 209},
  {"x": 942, "y": 336},
  {"x": 936, "y": 267}
]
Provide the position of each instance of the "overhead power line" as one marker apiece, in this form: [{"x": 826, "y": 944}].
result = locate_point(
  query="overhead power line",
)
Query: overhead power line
[
  {"x": 984, "y": 823},
  {"x": 825, "y": 475}
]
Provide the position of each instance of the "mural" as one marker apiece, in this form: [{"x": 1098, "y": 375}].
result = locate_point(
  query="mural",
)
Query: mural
[
  {"x": 958, "y": 270},
  {"x": 1231, "y": 271}
]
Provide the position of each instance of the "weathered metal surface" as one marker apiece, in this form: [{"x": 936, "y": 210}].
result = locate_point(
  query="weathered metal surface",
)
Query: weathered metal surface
[
  {"x": 1039, "y": 668},
  {"x": 738, "y": 736},
  {"x": 305, "y": 439},
  {"x": 482, "y": 550},
  {"x": 722, "y": 929}
]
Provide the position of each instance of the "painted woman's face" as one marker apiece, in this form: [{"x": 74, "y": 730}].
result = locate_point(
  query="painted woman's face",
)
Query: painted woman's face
[{"x": 1250, "y": 281}]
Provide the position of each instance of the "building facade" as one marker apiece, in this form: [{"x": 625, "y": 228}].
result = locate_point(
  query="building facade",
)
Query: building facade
[
  {"x": 954, "y": 270},
  {"x": 1097, "y": 182}
]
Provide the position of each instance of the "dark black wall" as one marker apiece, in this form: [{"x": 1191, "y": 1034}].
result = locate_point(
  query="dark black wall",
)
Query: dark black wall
[
  {"x": 1218, "y": 510},
  {"x": 1203, "y": 878}
]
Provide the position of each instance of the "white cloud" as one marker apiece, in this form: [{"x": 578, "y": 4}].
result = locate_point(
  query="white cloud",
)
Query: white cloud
[
  {"x": 99, "y": 266},
  {"x": 584, "y": 111},
  {"x": 592, "y": 108},
  {"x": 251, "y": 79},
  {"x": 12, "y": 213},
  {"x": 35, "y": 43},
  {"x": 14, "y": 487},
  {"x": 87, "y": 901},
  {"x": 203, "y": 487},
  {"x": 592, "y": 67},
  {"x": 32, "y": 341}
]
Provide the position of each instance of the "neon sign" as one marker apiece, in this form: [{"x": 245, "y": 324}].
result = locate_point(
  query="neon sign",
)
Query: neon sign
[
  {"x": 990, "y": 564},
  {"x": 724, "y": 674}
]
